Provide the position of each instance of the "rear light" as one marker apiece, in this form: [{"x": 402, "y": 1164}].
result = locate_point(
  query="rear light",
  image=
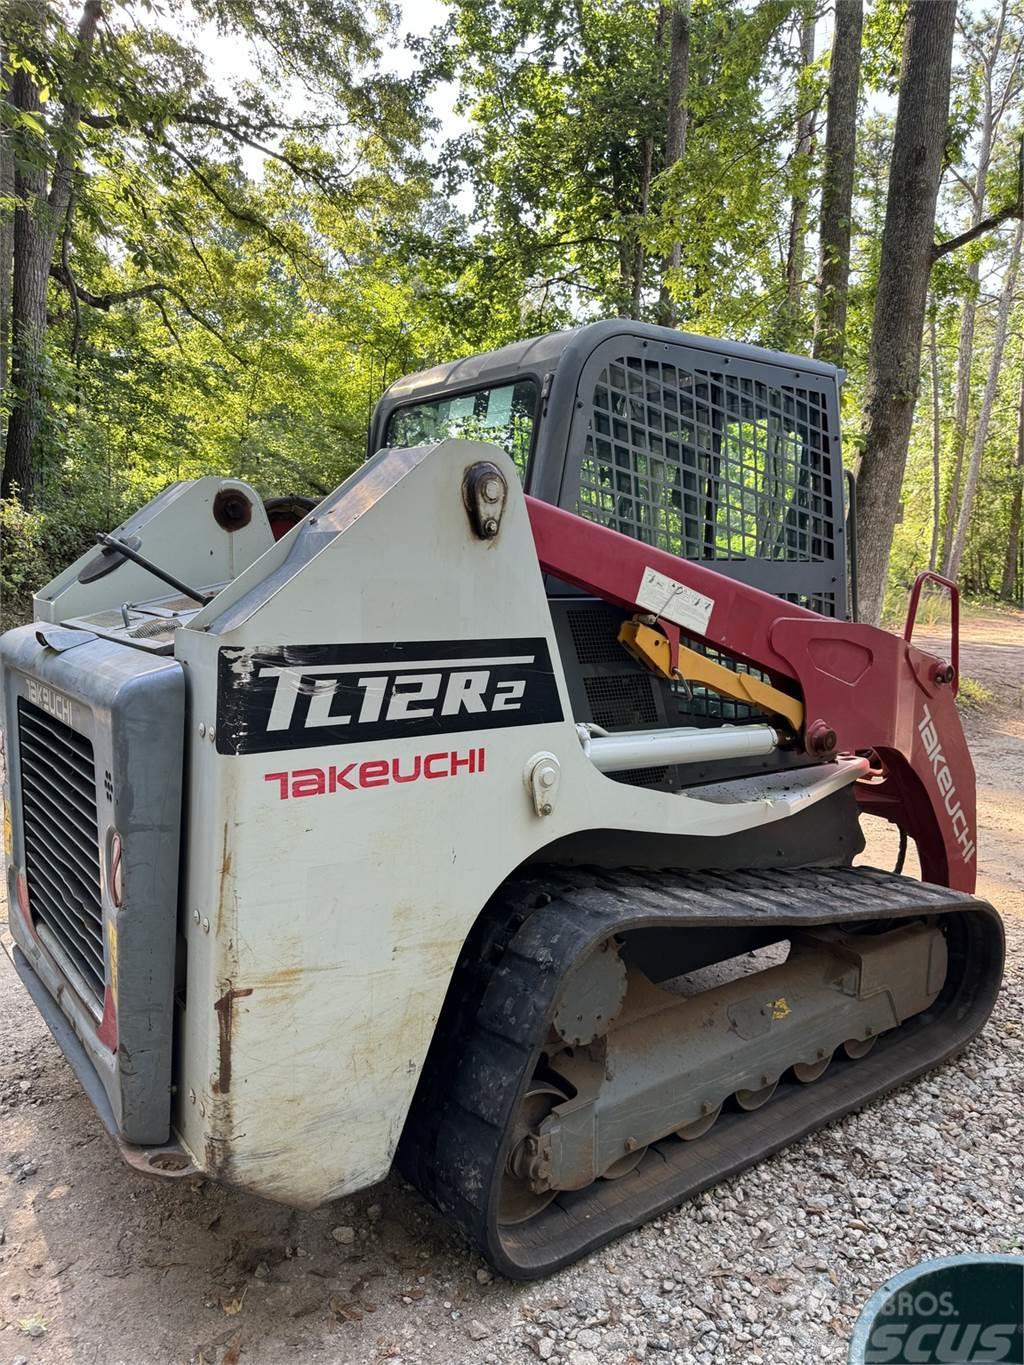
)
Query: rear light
[{"x": 116, "y": 878}]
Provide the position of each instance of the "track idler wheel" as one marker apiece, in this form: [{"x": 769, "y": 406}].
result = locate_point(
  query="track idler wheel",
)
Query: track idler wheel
[{"x": 523, "y": 1193}]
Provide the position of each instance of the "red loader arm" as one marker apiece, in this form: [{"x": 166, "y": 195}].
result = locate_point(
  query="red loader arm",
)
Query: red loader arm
[{"x": 864, "y": 690}]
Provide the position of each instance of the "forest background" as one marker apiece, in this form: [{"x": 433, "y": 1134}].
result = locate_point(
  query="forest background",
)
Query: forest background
[{"x": 226, "y": 226}]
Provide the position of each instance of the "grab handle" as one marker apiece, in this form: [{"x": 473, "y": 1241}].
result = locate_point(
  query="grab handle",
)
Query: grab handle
[{"x": 953, "y": 591}]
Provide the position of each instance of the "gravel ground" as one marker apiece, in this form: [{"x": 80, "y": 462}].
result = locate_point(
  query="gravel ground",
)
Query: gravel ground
[{"x": 100, "y": 1266}]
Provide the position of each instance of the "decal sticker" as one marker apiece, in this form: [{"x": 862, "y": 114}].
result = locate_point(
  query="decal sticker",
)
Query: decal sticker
[
  {"x": 376, "y": 772},
  {"x": 944, "y": 781},
  {"x": 674, "y": 601},
  {"x": 304, "y": 696}
]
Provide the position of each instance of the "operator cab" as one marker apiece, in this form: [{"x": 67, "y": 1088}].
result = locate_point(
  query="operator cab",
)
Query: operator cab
[{"x": 713, "y": 450}]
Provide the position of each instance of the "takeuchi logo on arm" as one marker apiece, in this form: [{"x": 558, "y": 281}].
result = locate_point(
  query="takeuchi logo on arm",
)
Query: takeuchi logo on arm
[{"x": 944, "y": 781}]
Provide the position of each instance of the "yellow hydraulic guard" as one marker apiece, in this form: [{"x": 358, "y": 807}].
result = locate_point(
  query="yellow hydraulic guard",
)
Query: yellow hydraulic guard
[{"x": 653, "y": 649}]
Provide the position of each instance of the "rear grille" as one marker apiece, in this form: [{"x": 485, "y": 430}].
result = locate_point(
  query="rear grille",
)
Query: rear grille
[
  {"x": 595, "y": 633},
  {"x": 621, "y": 703},
  {"x": 62, "y": 858}
]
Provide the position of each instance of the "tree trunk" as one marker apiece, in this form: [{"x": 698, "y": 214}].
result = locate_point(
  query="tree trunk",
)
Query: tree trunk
[
  {"x": 37, "y": 220},
  {"x": 640, "y": 251},
  {"x": 933, "y": 348},
  {"x": 1008, "y": 591},
  {"x": 969, "y": 312},
  {"x": 675, "y": 132},
  {"x": 961, "y": 408},
  {"x": 33, "y": 247},
  {"x": 837, "y": 182},
  {"x": 988, "y": 400},
  {"x": 6, "y": 261},
  {"x": 894, "y": 359},
  {"x": 796, "y": 252}
]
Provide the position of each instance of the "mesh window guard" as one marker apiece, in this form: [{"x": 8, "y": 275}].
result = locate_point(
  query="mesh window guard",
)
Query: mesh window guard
[{"x": 709, "y": 464}]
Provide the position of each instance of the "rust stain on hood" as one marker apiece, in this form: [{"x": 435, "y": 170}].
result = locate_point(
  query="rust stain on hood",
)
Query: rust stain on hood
[
  {"x": 224, "y": 874},
  {"x": 225, "y": 1008}
]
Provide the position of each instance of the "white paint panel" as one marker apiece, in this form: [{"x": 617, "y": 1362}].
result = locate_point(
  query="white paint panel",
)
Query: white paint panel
[{"x": 323, "y": 926}]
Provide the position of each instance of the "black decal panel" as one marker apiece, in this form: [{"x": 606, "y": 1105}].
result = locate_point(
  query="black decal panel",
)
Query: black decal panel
[{"x": 303, "y": 696}]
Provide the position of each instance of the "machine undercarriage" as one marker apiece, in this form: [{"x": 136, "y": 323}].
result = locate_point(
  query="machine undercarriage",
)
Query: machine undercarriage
[{"x": 581, "y": 1099}]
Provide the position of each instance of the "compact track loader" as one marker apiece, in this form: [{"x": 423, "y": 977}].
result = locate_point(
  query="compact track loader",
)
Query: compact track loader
[{"x": 498, "y": 813}]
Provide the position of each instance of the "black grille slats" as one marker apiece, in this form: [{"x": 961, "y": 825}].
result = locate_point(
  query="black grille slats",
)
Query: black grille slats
[{"x": 61, "y": 831}]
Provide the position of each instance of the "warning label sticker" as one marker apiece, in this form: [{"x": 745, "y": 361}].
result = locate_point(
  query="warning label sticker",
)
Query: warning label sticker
[{"x": 683, "y": 606}]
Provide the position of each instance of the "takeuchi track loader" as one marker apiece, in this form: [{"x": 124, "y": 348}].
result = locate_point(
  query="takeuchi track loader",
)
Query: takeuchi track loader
[{"x": 498, "y": 814}]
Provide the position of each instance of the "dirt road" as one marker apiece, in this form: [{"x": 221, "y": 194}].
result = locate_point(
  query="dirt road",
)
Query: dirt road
[{"x": 99, "y": 1266}]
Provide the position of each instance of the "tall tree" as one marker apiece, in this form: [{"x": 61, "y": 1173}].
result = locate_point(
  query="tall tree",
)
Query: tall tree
[
  {"x": 996, "y": 66},
  {"x": 40, "y": 211},
  {"x": 1011, "y": 564},
  {"x": 796, "y": 247},
  {"x": 6, "y": 248},
  {"x": 837, "y": 182},
  {"x": 675, "y": 134},
  {"x": 933, "y": 365},
  {"x": 1006, "y": 298},
  {"x": 894, "y": 361}
]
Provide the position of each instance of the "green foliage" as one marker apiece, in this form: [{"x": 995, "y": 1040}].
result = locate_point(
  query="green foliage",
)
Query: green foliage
[
  {"x": 248, "y": 262},
  {"x": 973, "y": 695},
  {"x": 35, "y": 545}
]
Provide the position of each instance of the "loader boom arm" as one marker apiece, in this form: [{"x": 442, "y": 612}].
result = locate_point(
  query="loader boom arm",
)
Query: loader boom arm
[{"x": 864, "y": 689}]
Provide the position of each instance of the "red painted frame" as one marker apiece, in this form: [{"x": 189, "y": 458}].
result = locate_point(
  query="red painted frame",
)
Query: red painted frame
[{"x": 878, "y": 693}]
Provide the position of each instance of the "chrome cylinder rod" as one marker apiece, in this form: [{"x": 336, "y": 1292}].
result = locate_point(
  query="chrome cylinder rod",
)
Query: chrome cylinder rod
[{"x": 659, "y": 748}]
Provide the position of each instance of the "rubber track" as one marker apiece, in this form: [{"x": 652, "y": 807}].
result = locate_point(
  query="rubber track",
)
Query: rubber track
[{"x": 504, "y": 992}]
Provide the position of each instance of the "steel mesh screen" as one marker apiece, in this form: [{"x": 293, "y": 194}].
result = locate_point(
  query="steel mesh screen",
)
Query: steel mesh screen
[{"x": 709, "y": 464}]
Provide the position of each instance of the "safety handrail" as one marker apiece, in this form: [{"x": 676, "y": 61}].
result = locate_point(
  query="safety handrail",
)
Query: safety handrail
[{"x": 929, "y": 575}]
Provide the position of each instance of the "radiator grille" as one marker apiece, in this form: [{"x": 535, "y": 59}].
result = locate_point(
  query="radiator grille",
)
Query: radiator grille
[{"x": 62, "y": 860}]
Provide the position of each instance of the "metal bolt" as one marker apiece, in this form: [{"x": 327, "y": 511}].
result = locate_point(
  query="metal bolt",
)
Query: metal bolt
[
  {"x": 490, "y": 528},
  {"x": 821, "y": 738},
  {"x": 631, "y": 1144},
  {"x": 191, "y": 1096},
  {"x": 202, "y": 1110},
  {"x": 705, "y": 1108},
  {"x": 206, "y": 926},
  {"x": 547, "y": 777},
  {"x": 491, "y": 490},
  {"x": 202, "y": 729},
  {"x": 547, "y": 808},
  {"x": 212, "y": 735},
  {"x": 196, "y": 917}
]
